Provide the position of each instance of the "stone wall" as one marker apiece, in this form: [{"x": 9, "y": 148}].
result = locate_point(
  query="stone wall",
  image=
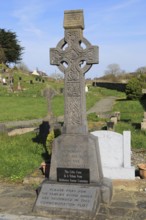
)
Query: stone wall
[{"x": 115, "y": 86}]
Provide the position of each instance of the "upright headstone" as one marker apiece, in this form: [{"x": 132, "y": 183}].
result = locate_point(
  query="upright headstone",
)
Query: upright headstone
[
  {"x": 115, "y": 152},
  {"x": 76, "y": 185}
]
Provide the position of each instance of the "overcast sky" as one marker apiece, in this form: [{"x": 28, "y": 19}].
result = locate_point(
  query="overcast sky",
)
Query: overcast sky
[{"x": 118, "y": 27}]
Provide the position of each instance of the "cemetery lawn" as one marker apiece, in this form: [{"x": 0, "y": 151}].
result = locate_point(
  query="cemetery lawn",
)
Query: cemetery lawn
[
  {"x": 22, "y": 108},
  {"x": 19, "y": 156},
  {"x": 132, "y": 112}
]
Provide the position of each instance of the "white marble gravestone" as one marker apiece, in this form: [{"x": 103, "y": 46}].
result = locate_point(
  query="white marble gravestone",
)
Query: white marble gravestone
[{"x": 115, "y": 152}]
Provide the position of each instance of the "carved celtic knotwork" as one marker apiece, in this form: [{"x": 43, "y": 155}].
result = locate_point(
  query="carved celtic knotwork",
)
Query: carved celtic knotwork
[
  {"x": 74, "y": 56},
  {"x": 73, "y": 89},
  {"x": 55, "y": 57},
  {"x": 73, "y": 111},
  {"x": 72, "y": 36},
  {"x": 73, "y": 74}
]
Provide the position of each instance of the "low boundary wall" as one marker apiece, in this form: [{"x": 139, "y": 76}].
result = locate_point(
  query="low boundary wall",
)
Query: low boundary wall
[{"x": 108, "y": 85}]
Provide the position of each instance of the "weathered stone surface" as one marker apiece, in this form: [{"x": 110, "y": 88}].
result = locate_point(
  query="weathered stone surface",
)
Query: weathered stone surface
[
  {"x": 73, "y": 19},
  {"x": 76, "y": 151},
  {"x": 69, "y": 56},
  {"x": 17, "y": 200},
  {"x": 68, "y": 198}
]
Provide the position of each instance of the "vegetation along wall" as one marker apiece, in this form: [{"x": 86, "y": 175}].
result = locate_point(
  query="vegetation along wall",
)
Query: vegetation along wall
[{"x": 115, "y": 86}]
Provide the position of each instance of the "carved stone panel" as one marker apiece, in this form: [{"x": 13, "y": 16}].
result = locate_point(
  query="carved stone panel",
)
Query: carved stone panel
[
  {"x": 73, "y": 111},
  {"x": 73, "y": 89}
]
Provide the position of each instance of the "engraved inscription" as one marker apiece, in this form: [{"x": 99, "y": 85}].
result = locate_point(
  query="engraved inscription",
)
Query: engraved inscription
[
  {"x": 75, "y": 157},
  {"x": 67, "y": 197},
  {"x": 72, "y": 175}
]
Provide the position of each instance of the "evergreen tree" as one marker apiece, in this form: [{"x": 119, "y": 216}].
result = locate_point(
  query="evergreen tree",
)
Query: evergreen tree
[
  {"x": 2, "y": 55},
  {"x": 10, "y": 48}
]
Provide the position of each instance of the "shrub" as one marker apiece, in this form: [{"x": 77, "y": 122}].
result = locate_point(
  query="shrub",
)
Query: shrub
[
  {"x": 49, "y": 141},
  {"x": 133, "y": 89}
]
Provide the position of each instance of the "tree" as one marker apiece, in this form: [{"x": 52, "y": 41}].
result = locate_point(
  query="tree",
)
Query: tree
[
  {"x": 10, "y": 46},
  {"x": 133, "y": 89},
  {"x": 2, "y": 55},
  {"x": 22, "y": 66},
  {"x": 141, "y": 70},
  {"x": 113, "y": 69},
  {"x": 57, "y": 76}
]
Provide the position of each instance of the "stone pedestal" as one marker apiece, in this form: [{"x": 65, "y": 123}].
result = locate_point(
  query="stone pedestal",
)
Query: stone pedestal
[
  {"x": 76, "y": 151},
  {"x": 76, "y": 186}
]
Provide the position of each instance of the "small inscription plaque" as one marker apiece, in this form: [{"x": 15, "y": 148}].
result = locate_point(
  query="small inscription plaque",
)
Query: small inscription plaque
[
  {"x": 72, "y": 175},
  {"x": 68, "y": 197}
]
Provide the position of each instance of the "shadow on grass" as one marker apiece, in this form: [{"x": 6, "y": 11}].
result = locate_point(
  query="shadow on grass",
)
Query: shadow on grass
[
  {"x": 41, "y": 138},
  {"x": 126, "y": 120},
  {"x": 143, "y": 102},
  {"x": 137, "y": 126},
  {"x": 121, "y": 100}
]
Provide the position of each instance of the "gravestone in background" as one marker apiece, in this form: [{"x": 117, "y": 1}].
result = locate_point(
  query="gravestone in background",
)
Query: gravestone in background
[{"x": 76, "y": 185}]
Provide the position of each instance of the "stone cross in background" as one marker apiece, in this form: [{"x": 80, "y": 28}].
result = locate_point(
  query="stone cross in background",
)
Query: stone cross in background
[{"x": 74, "y": 56}]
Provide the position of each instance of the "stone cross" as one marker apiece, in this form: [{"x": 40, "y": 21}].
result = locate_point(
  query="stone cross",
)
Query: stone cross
[{"x": 74, "y": 55}]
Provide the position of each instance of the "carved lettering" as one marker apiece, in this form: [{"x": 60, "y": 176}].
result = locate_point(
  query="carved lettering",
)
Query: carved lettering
[{"x": 71, "y": 197}]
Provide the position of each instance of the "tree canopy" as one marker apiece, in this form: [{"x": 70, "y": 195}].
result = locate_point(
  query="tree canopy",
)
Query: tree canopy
[
  {"x": 114, "y": 69},
  {"x": 133, "y": 89},
  {"x": 10, "y": 49}
]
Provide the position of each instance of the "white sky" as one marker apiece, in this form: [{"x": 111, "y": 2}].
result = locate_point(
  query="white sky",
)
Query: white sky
[{"x": 118, "y": 27}]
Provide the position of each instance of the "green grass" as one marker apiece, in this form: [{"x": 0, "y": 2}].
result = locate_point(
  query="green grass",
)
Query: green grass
[
  {"x": 131, "y": 118},
  {"x": 22, "y": 108},
  {"x": 131, "y": 110},
  {"x": 94, "y": 95},
  {"x": 58, "y": 105},
  {"x": 19, "y": 156}
]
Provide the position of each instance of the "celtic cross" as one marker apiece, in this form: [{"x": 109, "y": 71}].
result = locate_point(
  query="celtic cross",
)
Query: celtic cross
[{"x": 74, "y": 56}]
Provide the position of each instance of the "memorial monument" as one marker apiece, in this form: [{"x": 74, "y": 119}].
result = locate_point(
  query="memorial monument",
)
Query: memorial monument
[{"x": 76, "y": 185}]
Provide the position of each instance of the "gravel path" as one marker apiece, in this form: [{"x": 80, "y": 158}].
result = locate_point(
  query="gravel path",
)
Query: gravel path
[{"x": 103, "y": 107}]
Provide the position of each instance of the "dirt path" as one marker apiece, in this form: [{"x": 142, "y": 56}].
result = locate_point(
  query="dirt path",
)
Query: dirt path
[{"x": 103, "y": 107}]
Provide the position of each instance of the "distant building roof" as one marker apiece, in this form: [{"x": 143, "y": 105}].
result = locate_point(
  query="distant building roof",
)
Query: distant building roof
[{"x": 35, "y": 73}]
